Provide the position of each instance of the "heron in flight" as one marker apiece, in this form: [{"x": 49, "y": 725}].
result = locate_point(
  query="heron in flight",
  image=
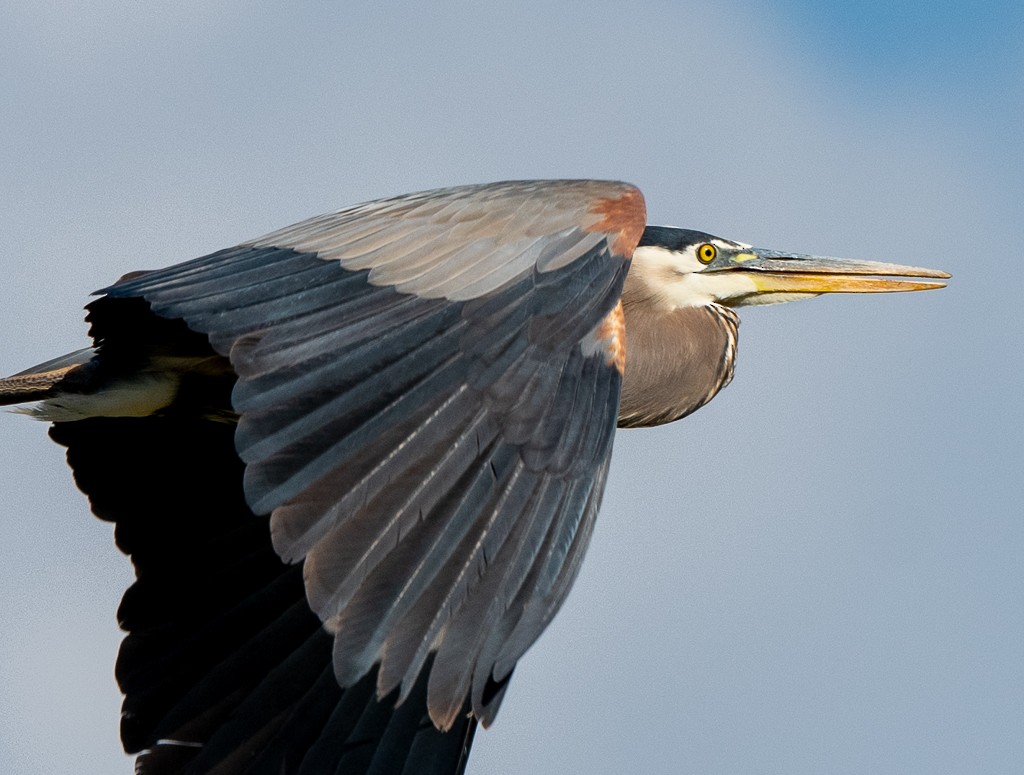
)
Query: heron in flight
[{"x": 356, "y": 462}]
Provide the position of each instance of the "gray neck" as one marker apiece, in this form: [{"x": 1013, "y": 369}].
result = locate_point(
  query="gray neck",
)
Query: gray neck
[{"x": 676, "y": 359}]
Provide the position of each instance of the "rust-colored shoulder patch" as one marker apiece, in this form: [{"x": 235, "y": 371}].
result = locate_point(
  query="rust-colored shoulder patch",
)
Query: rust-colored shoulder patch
[
  {"x": 624, "y": 216},
  {"x": 609, "y": 336}
]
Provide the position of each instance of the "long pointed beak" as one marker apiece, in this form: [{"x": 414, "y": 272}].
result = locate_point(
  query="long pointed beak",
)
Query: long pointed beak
[{"x": 772, "y": 272}]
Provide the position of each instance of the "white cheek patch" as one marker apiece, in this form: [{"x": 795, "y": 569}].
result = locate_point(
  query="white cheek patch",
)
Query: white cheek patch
[
  {"x": 678, "y": 277},
  {"x": 652, "y": 260},
  {"x": 697, "y": 289}
]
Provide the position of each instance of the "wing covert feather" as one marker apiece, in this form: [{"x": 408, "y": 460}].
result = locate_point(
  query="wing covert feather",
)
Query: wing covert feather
[{"x": 426, "y": 412}]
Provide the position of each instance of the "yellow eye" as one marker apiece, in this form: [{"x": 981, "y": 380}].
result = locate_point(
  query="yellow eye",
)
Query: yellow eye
[{"x": 706, "y": 253}]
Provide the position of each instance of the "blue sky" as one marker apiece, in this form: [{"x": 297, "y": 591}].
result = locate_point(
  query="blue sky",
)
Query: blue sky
[
  {"x": 942, "y": 39},
  {"x": 818, "y": 572}
]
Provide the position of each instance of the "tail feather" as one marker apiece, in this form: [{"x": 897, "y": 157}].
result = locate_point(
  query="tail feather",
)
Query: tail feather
[{"x": 42, "y": 381}]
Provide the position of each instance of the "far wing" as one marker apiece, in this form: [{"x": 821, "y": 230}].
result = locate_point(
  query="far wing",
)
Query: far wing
[{"x": 427, "y": 389}]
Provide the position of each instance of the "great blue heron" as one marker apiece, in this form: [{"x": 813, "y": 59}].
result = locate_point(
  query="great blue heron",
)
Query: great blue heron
[{"x": 420, "y": 393}]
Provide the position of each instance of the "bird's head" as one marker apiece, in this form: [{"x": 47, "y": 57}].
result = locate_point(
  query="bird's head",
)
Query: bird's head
[{"x": 685, "y": 268}]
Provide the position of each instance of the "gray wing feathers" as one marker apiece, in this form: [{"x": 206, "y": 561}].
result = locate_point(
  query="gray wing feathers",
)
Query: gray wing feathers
[
  {"x": 504, "y": 229},
  {"x": 419, "y": 417}
]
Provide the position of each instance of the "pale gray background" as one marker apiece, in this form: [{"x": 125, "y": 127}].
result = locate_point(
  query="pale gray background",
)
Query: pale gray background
[{"x": 820, "y": 572}]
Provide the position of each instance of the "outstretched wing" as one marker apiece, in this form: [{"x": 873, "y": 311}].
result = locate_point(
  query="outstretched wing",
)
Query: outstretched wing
[
  {"x": 427, "y": 390},
  {"x": 224, "y": 668}
]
